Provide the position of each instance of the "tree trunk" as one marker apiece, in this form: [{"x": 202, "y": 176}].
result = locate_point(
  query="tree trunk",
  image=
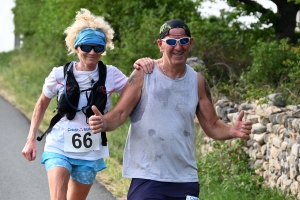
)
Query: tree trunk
[{"x": 286, "y": 21}]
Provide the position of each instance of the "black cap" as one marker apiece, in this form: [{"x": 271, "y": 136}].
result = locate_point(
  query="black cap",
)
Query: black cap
[{"x": 174, "y": 23}]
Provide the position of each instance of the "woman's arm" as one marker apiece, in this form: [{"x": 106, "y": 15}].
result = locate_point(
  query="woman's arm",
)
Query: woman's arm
[{"x": 29, "y": 150}]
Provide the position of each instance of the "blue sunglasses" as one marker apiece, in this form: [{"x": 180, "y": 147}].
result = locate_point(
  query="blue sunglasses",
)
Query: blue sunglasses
[
  {"x": 87, "y": 48},
  {"x": 173, "y": 41}
]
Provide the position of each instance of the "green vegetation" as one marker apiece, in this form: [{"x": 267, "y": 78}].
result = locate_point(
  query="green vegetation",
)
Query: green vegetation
[
  {"x": 225, "y": 175},
  {"x": 242, "y": 63},
  {"x": 235, "y": 56}
]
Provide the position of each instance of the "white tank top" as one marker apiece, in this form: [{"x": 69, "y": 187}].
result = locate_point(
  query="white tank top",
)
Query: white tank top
[{"x": 161, "y": 139}]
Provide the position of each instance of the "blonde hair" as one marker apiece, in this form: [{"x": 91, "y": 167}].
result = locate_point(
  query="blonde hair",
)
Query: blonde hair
[{"x": 85, "y": 19}]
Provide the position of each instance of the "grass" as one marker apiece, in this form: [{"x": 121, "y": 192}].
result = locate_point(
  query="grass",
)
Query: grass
[
  {"x": 224, "y": 173},
  {"x": 22, "y": 78},
  {"x": 112, "y": 179}
]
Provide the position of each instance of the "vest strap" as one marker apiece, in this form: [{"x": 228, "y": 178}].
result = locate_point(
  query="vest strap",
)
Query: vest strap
[
  {"x": 101, "y": 82},
  {"x": 53, "y": 121}
]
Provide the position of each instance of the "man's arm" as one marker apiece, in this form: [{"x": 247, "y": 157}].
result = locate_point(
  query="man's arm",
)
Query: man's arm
[
  {"x": 127, "y": 102},
  {"x": 209, "y": 121}
]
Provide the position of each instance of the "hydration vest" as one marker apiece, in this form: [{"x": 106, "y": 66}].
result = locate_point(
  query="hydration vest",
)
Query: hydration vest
[{"x": 67, "y": 105}]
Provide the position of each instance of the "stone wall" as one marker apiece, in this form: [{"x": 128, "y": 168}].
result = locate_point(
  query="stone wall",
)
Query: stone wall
[{"x": 274, "y": 144}]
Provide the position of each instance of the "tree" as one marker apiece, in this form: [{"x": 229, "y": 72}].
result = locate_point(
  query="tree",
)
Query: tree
[
  {"x": 136, "y": 24},
  {"x": 283, "y": 21},
  {"x": 224, "y": 44}
]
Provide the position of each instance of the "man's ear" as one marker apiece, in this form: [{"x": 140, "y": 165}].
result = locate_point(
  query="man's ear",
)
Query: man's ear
[
  {"x": 191, "y": 44},
  {"x": 191, "y": 41},
  {"x": 159, "y": 43}
]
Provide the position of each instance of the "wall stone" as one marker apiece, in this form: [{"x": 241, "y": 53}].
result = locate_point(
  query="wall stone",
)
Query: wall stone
[{"x": 274, "y": 144}]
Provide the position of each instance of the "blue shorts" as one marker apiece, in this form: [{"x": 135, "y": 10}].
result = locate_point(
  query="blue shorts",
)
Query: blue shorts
[
  {"x": 82, "y": 171},
  {"x": 143, "y": 189}
]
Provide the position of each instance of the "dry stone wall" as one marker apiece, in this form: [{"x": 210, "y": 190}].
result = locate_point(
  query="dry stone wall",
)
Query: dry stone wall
[{"x": 274, "y": 144}]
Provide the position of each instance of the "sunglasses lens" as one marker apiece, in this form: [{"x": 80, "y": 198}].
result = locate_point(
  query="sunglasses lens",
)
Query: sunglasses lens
[
  {"x": 98, "y": 48},
  {"x": 171, "y": 42},
  {"x": 184, "y": 41},
  {"x": 86, "y": 48}
]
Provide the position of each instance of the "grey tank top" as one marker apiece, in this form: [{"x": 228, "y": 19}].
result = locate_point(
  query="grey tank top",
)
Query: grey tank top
[{"x": 161, "y": 138}]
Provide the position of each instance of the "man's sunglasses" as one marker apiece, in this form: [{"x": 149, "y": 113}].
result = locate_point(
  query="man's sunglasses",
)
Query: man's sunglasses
[
  {"x": 173, "y": 41},
  {"x": 87, "y": 48}
]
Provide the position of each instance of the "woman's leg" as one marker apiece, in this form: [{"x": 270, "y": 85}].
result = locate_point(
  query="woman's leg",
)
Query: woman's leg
[
  {"x": 70, "y": 181},
  {"x": 58, "y": 178},
  {"x": 80, "y": 183},
  {"x": 78, "y": 191}
]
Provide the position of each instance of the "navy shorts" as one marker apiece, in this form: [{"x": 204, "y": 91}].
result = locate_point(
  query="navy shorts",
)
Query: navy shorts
[{"x": 143, "y": 189}]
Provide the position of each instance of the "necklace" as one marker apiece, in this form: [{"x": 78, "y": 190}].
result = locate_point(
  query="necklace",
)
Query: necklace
[
  {"x": 160, "y": 64},
  {"x": 162, "y": 68}
]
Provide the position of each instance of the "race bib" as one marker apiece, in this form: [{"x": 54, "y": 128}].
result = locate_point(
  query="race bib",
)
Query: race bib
[
  {"x": 81, "y": 140},
  {"x": 188, "y": 197}
]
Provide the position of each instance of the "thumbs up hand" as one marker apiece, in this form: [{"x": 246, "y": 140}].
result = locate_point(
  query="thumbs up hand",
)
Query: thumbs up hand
[
  {"x": 96, "y": 121},
  {"x": 240, "y": 128}
]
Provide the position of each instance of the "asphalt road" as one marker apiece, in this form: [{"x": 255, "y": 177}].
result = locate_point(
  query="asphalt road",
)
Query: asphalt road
[{"x": 20, "y": 179}]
